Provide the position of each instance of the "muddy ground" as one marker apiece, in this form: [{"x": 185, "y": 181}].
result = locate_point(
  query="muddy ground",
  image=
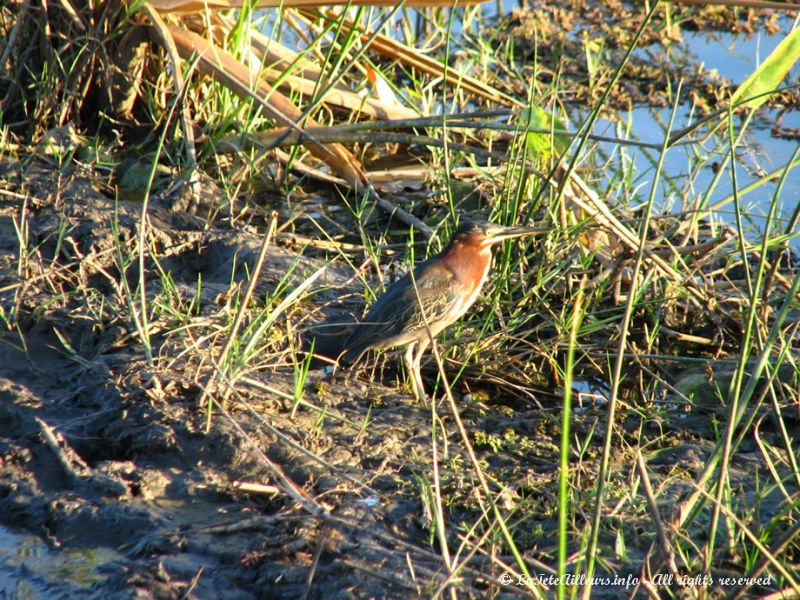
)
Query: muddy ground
[{"x": 110, "y": 486}]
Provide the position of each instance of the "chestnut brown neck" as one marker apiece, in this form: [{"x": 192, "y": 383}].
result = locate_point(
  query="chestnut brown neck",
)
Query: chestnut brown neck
[{"x": 468, "y": 260}]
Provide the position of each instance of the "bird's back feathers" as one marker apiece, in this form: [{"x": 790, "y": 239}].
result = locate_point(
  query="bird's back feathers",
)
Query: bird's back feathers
[{"x": 395, "y": 318}]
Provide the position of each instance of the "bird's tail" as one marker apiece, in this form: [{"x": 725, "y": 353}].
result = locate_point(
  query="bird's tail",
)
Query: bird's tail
[{"x": 352, "y": 355}]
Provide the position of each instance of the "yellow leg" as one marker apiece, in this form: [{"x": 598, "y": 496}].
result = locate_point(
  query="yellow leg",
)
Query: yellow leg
[
  {"x": 412, "y": 360},
  {"x": 413, "y": 356}
]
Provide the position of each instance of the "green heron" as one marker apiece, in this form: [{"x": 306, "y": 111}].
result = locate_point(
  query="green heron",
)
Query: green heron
[{"x": 446, "y": 286}]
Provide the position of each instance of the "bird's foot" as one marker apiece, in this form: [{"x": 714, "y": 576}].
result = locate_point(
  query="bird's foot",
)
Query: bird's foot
[
  {"x": 417, "y": 386},
  {"x": 426, "y": 403},
  {"x": 421, "y": 397}
]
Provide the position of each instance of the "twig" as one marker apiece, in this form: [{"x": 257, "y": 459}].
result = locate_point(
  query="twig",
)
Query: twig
[
  {"x": 76, "y": 469},
  {"x": 72, "y": 464},
  {"x": 323, "y": 536},
  {"x": 255, "y": 488},
  {"x": 302, "y": 168},
  {"x": 400, "y": 214},
  {"x": 282, "y": 480},
  {"x": 371, "y": 571},
  {"x": 304, "y": 451},
  {"x": 254, "y": 523},
  {"x": 168, "y": 41},
  {"x": 328, "y": 135},
  {"x": 666, "y": 548}
]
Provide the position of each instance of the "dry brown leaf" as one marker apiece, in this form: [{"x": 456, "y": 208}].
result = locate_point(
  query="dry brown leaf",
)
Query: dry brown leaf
[
  {"x": 195, "y": 6},
  {"x": 233, "y": 74},
  {"x": 415, "y": 59},
  {"x": 305, "y": 75},
  {"x": 370, "y": 107}
]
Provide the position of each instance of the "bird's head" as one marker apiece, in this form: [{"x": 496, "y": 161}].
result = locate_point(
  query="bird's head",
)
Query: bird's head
[{"x": 485, "y": 233}]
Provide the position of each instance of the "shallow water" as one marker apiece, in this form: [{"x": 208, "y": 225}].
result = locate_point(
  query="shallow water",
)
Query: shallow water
[
  {"x": 735, "y": 57},
  {"x": 29, "y": 569}
]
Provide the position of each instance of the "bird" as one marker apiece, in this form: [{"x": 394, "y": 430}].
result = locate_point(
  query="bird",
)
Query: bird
[{"x": 434, "y": 295}]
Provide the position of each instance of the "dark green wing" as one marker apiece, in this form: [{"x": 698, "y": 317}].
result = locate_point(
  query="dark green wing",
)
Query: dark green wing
[{"x": 397, "y": 310}]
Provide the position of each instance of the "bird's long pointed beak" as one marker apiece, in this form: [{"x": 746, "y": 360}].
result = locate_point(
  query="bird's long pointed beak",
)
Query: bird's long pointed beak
[{"x": 498, "y": 234}]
